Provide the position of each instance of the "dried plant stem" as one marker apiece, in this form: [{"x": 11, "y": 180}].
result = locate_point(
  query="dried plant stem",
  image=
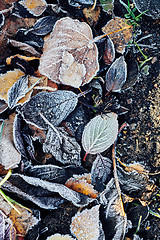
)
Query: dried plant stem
[
  {"x": 11, "y": 204},
  {"x": 94, "y": 5},
  {"x": 117, "y": 182}
]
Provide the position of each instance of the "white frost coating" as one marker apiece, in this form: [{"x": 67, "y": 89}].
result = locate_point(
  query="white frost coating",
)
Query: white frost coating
[
  {"x": 100, "y": 133},
  {"x": 58, "y": 236},
  {"x": 71, "y": 72},
  {"x": 85, "y": 225},
  {"x": 38, "y": 8}
]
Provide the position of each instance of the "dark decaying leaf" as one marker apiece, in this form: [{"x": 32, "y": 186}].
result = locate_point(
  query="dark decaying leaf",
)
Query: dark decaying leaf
[
  {"x": 64, "y": 148},
  {"x": 77, "y": 120},
  {"x": 19, "y": 141},
  {"x": 152, "y": 7},
  {"x": 3, "y": 106},
  {"x": 116, "y": 75},
  {"x": 7, "y": 231},
  {"x": 30, "y": 38},
  {"x": 24, "y": 47},
  {"x": 109, "y": 52},
  {"x": 53, "y": 173},
  {"x": 17, "y": 91},
  {"x": 70, "y": 55},
  {"x": 85, "y": 225},
  {"x": 45, "y": 194},
  {"x": 135, "y": 183},
  {"x": 132, "y": 74},
  {"x": 79, "y": 3},
  {"x": 101, "y": 172},
  {"x": 113, "y": 222},
  {"x": 100, "y": 133},
  {"x": 54, "y": 106},
  {"x": 1, "y": 20},
  {"x": 22, "y": 64},
  {"x": 43, "y": 26},
  {"x": 135, "y": 212}
]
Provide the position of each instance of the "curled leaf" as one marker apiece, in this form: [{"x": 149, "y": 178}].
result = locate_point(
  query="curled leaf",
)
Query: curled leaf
[
  {"x": 100, "y": 133},
  {"x": 116, "y": 75},
  {"x": 70, "y": 56},
  {"x": 109, "y": 51},
  {"x": 54, "y": 106}
]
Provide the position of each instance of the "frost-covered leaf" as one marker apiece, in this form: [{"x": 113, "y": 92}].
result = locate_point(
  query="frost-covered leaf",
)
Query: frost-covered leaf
[
  {"x": 101, "y": 172},
  {"x": 43, "y": 26},
  {"x": 7, "y": 231},
  {"x": 9, "y": 157},
  {"x": 35, "y": 7},
  {"x": 122, "y": 37},
  {"x": 107, "y": 5},
  {"x": 58, "y": 236},
  {"x": 2, "y": 18},
  {"x": 92, "y": 15},
  {"x": 26, "y": 48},
  {"x": 17, "y": 91},
  {"x": 7, "y": 80},
  {"x": 3, "y": 106},
  {"x": 100, "y": 133},
  {"x": 70, "y": 56},
  {"x": 64, "y": 148},
  {"x": 152, "y": 7},
  {"x": 109, "y": 51},
  {"x": 82, "y": 186},
  {"x": 116, "y": 75},
  {"x": 45, "y": 194},
  {"x": 54, "y": 106},
  {"x": 53, "y": 173},
  {"x": 24, "y": 220},
  {"x": 79, "y": 3},
  {"x": 85, "y": 225},
  {"x": 114, "y": 224}
]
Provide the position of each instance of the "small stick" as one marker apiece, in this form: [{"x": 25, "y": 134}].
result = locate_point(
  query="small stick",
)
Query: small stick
[{"x": 94, "y": 5}]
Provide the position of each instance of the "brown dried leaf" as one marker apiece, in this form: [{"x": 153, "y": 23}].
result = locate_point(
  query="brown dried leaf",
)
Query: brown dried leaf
[
  {"x": 123, "y": 36},
  {"x": 7, "y": 231},
  {"x": 9, "y": 157},
  {"x": 24, "y": 221},
  {"x": 70, "y": 56},
  {"x": 58, "y": 236},
  {"x": 35, "y": 7},
  {"x": 85, "y": 225},
  {"x": 82, "y": 186},
  {"x": 91, "y": 15}
]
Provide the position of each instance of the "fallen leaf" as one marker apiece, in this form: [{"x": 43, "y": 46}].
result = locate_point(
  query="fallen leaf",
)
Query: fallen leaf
[
  {"x": 100, "y": 133},
  {"x": 64, "y": 148},
  {"x": 3, "y": 106},
  {"x": 109, "y": 52},
  {"x": 44, "y": 194},
  {"x": 116, "y": 75},
  {"x": 9, "y": 157},
  {"x": 91, "y": 15},
  {"x": 24, "y": 47},
  {"x": 70, "y": 56},
  {"x": 7, "y": 231},
  {"x": 152, "y": 7},
  {"x": 79, "y": 3},
  {"x": 85, "y": 224},
  {"x": 101, "y": 172},
  {"x": 58, "y": 236},
  {"x": 81, "y": 185},
  {"x": 7, "y": 80},
  {"x": 23, "y": 221},
  {"x": 123, "y": 37},
  {"x": 54, "y": 106},
  {"x": 35, "y": 7}
]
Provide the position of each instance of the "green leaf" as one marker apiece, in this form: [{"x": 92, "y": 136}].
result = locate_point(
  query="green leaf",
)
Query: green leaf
[{"x": 100, "y": 133}]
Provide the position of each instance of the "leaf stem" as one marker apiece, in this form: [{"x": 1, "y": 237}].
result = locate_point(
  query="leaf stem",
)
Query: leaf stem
[
  {"x": 6, "y": 177},
  {"x": 84, "y": 159},
  {"x": 9, "y": 202}
]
